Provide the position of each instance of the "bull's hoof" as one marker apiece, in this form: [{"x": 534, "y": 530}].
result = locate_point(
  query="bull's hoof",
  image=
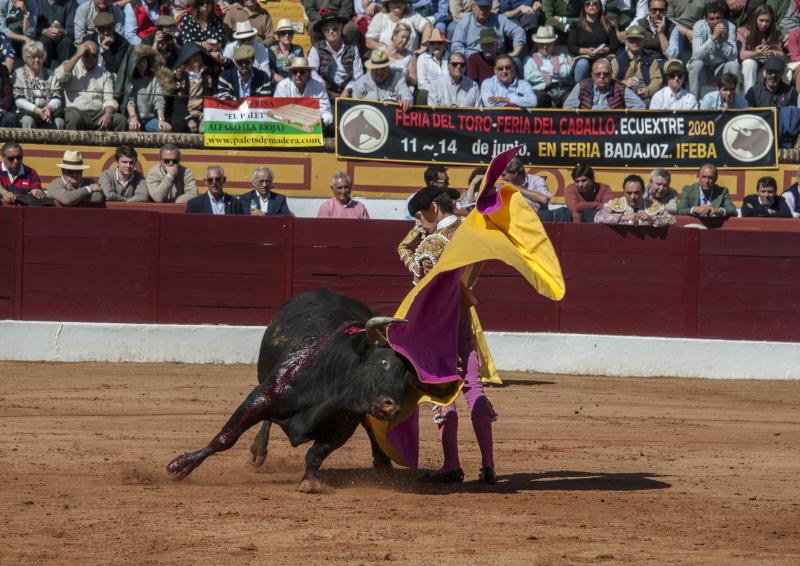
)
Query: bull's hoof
[
  {"x": 312, "y": 485},
  {"x": 257, "y": 460},
  {"x": 181, "y": 466}
]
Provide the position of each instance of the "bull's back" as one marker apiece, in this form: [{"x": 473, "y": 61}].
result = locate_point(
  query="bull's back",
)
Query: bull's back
[{"x": 303, "y": 319}]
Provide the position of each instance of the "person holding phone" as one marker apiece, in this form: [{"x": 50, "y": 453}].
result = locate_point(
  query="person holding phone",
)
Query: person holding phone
[{"x": 592, "y": 38}]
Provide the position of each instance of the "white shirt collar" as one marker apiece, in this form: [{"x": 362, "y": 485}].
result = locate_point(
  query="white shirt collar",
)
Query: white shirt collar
[{"x": 447, "y": 221}]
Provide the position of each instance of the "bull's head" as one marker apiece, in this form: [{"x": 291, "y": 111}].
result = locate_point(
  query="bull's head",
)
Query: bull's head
[{"x": 387, "y": 374}]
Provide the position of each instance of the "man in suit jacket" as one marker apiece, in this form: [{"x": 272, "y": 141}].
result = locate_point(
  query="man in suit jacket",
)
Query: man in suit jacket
[
  {"x": 705, "y": 198},
  {"x": 262, "y": 201},
  {"x": 243, "y": 80},
  {"x": 216, "y": 200}
]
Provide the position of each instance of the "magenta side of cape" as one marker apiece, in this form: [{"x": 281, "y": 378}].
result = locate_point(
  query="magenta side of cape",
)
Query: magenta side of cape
[{"x": 489, "y": 200}]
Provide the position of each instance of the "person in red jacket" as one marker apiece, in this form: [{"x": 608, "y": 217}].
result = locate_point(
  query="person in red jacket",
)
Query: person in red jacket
[{"x": 585, "y": 196}]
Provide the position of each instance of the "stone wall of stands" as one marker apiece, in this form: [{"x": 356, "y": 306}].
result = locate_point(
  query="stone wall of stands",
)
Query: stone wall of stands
[{"x": 139, "y": 264}]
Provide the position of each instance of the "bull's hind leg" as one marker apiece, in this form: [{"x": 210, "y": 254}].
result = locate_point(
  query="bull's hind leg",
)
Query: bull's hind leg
[
  {"x": 258, "y": 449},
  {"x": 330, "y": 435},
  {"x": 254, "y": 409}
]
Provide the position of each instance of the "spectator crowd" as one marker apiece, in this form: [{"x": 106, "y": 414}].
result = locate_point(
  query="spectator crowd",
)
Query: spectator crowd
[
  {"x": 145, "y": 65},
  {"x": 651, "y": 203}
]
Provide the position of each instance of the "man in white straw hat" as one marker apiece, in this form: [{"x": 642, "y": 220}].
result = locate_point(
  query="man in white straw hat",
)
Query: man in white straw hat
[
  {"x": 71, "y": 189},
  {"x": 382, "y": 83},
  {"x": 301, "y": 85},
  {"x": 244, "y": 34},
  {"x": 250, "y": 11},
  {"x": 546, "y": 71}
]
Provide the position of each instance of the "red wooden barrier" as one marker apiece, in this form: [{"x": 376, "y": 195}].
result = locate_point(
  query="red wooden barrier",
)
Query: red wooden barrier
[{"x": 137, "y": 264}]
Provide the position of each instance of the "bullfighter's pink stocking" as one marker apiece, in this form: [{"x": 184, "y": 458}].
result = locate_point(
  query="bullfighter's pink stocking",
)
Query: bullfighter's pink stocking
[{"x": 448, "y": 434}]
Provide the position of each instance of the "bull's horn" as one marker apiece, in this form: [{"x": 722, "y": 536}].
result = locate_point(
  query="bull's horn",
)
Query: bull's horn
[{"x": 375, "y": 327}]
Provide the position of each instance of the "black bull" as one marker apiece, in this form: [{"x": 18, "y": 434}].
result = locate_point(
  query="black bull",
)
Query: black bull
[{"x": 318, "y": 377}]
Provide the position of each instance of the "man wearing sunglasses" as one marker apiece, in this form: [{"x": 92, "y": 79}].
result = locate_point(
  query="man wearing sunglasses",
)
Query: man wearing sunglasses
[
  {"x": 657, "y": 30},
  {"x": 336, "y": 63},
  {"x": 216, "y": 201},
  {"x": 245, "y": 34},
  {"x": 15, "y": 178},
  {"x": 89, "y": 102},
  {"x": 169, "y": 181},
  {"x": 455, "y": 89},
  {"x": 505, "y": 89},
  {"x": 601, "y": 91},
  {"x": 243, "y": 80},
  {"x": 301, "y": 85}
]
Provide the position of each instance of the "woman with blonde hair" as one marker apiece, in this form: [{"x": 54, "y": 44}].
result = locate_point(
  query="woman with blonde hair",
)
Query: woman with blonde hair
[
  {"x": 144, "y": 99},
  {"x": 36, "y": 94},
  {"x": 282, "y": 51}
]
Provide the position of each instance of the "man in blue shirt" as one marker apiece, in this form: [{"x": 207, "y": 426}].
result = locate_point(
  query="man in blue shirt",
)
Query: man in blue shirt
[
  {"x": 505, "y": 89},
  {"x": 468, "y": 30}
]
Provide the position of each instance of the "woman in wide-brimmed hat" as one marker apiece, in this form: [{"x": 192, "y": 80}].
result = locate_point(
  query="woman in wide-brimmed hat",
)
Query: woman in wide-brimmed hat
[
  {"x": 429, "y": 63},
  {"x": 195, "y": 76},
  {"x": 381, "y": 28}
]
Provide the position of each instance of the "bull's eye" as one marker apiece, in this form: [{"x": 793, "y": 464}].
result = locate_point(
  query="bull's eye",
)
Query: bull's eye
[{"x": 385, "y": 364}]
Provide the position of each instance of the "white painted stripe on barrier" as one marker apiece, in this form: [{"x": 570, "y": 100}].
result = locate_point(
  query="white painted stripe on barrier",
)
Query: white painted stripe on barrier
[{"x": 581, "y": 354}]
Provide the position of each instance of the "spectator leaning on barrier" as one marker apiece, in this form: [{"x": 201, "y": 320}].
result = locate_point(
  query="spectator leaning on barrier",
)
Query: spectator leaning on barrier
[
  {"x": 466, "y": 38},
  {"x": 772, "y": 91},
  {"x": 792, "y": 196},
  {"x": 382, "y": 83},
  {"x": 725, "y": 97},
  {"x": 505, "y": 89},
  {"x": 301, "y": 85},
  {"x": 17, "y": 181},
  {"x": 705, "y": 198},
  {"x": 636, "y": 69},
  {"x": 658, "y": 190},
  {"x": 335, "y": 62},
  {"x": 36, "y": 93},
  {"x": 262, "y": 200},
  {"x": 169, "y": 181},
  {"x": 454, "y": 89},
  {"x": 534, "y": 190},
  {"x": 547, "y": 72},
  {"x": 601, "y": 91},
  {"x": 342, "y": 205},
  {"x": 765, "y": 203},
  {"x": 673, "y": 96},
  {"x": 124, "y": 182},
  {"x": 243, "y": 80},
  {"x": 632, "y": 208},
  {"x": 585, "y": 196},
  {"x": 714, "y": 49},
  {"x": 480, "y": 65},
  {"x": 71, "y": 188},
  {"x": 215, "y": 201},
  {"x": 55, "y": 28},
  {"x": 89, "y": 102}
]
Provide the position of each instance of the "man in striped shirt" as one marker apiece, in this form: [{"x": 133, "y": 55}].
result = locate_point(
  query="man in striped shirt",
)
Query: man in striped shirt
[{"x": 16, "y": 179}]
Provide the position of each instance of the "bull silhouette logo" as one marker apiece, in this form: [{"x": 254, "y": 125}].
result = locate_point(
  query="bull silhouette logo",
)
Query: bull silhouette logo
[
  {"x": 748, "y": 137},
  {"x": 363, "y": 129}
]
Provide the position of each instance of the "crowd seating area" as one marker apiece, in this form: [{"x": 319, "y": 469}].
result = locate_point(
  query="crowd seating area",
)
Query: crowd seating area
[{"x": 146, "y": 65}]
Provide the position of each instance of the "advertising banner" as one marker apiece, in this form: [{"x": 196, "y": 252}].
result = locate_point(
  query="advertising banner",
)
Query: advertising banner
[
  {"x": 557, "y": 138},
  {"x": 261, "y": 122}
]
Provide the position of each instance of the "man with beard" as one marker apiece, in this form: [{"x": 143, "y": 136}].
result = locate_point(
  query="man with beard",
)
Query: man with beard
[{"x": 772, "y": 91}]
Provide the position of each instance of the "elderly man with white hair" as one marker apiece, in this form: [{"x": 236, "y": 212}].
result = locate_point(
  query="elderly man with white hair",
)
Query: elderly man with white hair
[
  {"x": 342, "y": 204},
  {"x": 262, "y": 200}
]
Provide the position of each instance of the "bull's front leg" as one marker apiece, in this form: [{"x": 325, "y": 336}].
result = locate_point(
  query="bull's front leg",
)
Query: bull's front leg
[
  {"x": 254, "y": 409},
  {"x": 328, "y": 439}
]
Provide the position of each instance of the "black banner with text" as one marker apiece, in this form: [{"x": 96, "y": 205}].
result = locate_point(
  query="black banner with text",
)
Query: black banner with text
[{"x": 557, "y": 138}]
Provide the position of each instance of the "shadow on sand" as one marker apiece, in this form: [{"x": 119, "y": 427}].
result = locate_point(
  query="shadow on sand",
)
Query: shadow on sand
[{"x": 561, "y": 480}]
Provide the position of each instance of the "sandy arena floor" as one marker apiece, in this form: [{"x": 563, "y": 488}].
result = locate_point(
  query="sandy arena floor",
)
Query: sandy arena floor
[{"x": 591, "y": 470}]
